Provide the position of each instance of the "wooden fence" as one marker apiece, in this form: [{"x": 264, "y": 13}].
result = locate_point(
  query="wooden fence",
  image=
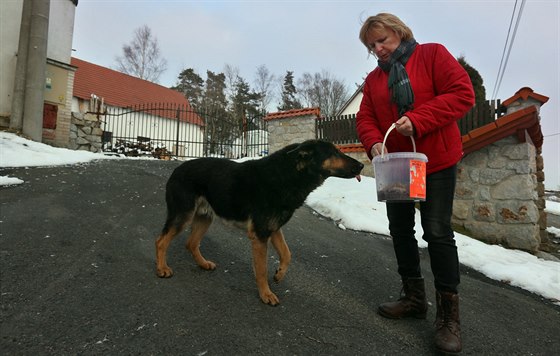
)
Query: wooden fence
[
  {"x": 337, "y": 129},
  {"x": 480, "y": 115},
  {"x": 342, "y": 129}
]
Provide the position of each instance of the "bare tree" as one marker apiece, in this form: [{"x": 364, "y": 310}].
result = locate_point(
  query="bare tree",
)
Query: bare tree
[
  {"x": 264, "y": 84},
  {"x": 141, "y": 58},
  {"x": 231, "y": 78},
  {"x": 322, "y": 90}
]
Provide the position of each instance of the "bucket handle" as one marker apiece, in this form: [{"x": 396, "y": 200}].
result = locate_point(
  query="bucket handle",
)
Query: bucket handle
[{"x": 385, "y": 139}]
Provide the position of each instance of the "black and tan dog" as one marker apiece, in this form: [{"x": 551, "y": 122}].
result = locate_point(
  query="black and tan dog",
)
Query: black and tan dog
[{"x": 259, "y": 195}]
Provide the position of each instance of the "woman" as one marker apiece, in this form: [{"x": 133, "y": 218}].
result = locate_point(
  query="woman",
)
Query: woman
[{"x": 423, "y": 90}]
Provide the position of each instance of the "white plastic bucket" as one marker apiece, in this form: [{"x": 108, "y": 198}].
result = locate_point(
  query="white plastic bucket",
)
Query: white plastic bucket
[{"x": 400, "y": 176}]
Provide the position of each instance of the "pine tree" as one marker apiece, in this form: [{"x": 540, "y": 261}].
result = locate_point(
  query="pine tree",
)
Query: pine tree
[
  {"x": 218, "y": 123},
  {"x": 289, "y": 100},
  {"x": 215, "y": 91},
  {"x": 244, "y": 101},
  {"x": 191, "y": 85},
  {"x": 476, "y": 80}
]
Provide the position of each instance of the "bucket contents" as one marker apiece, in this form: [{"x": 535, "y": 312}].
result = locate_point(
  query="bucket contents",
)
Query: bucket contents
[
  {"x": 400, "y": 176},
  {"x": 395, "y": 191}
]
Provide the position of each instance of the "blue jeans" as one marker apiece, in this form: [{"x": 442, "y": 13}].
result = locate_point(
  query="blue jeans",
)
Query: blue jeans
[{"x": 435, "y": 215}]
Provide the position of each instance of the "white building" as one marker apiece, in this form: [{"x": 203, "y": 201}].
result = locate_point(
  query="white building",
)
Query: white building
[{"x": 58, "y": 74}]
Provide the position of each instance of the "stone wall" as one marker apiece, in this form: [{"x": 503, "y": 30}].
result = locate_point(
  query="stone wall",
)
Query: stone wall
[
  {"x": 85, "y": 132},
  {"x": 285, "y": 131},
  {"x": 496, "y": 198},
  {"x": 500, "y": 195}
]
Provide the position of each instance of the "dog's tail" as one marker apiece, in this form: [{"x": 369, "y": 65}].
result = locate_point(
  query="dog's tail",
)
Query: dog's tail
[{"x": 180, "y": 206}]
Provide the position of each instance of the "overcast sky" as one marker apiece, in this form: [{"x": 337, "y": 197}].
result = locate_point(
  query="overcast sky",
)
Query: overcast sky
[{"x": 309, "y": 36}]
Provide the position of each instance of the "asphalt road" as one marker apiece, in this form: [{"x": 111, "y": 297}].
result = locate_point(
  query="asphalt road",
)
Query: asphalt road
[{"x": 78, "y": 278}]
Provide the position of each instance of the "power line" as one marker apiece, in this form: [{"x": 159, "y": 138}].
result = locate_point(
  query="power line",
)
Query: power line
[
  {"x": 505, "y": 57},
  {"x": 504, "y": 51}
]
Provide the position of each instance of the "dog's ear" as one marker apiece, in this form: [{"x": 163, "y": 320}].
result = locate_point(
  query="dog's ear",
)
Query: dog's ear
[
  {"x": 293, "y": 149},
  {"x": 303, "y": 154},
  {"x": 304, "y": 158},
  {"x": 300, "y": 150}
]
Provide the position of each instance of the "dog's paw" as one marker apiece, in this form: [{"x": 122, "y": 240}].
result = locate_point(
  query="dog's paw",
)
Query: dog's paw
[
  {"x": 270, "y": 298},
  {"x": 164, "y": 272},
  {"x": 279, "y": 275},
  {"x": 208, "y": 265}
]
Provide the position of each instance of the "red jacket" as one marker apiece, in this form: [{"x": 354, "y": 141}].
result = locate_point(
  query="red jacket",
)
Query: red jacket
[{"x": 443, "y": 93}]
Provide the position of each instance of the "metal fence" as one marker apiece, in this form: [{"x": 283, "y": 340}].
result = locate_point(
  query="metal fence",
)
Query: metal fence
[{"x": 169, "y": 131}]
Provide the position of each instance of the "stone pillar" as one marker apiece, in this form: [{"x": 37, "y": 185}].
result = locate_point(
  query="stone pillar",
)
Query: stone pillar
[
  {"x": 85, "y": 132},
  {"x": 524, "y": 98},
  {"x": 292, "y": 126},
  {"x": 499, "y": 197}
]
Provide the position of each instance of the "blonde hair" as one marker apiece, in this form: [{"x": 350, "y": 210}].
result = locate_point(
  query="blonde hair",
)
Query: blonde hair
[{"x": 385, "y": 20}]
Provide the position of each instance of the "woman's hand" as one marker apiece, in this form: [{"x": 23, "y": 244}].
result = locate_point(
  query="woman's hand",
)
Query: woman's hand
[
  {"x": 376, "y": 149},
  {"x": 404, "y": 126}
]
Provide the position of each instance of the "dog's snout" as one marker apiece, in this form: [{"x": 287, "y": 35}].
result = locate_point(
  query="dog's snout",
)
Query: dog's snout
[
  {"x": 358, "y": 168},
  {"x": 356, "y": 165}
]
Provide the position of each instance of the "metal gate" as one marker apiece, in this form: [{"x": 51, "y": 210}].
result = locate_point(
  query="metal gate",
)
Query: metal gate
[{"x": 168, "y": 131}]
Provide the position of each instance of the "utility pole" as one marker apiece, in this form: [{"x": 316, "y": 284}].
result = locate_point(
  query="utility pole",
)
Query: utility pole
[
  {"x": 16, "y": 118},
  {"x": 35, "y": 71}
]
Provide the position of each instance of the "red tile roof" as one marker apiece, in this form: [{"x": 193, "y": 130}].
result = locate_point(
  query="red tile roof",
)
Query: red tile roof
[
  {"x": 351, "y": 147},
  {"x": 122, "y": 90},
  {"x": 293, "y": 113},
  {"x": 119, "y": 89},
  {"x": 513, "y": 124},
  {"x": 525, "y": 93},
  {"x": 517, "y": 123}
]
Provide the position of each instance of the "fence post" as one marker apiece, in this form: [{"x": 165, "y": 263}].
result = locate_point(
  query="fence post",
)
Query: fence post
[
  {"x": 178, "y": 116},
  {"x": 244, "y": 152}
]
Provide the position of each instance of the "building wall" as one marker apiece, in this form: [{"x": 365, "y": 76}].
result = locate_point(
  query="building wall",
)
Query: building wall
[
  {"x": 354, "y": 106},
  {"x": 59, "y": 46},
  {"x": 61, "y": 30},
  {"x": 58, "y": 91},
  {"x": 155, "y": 127},
  {"x": 10, "y": 19}
]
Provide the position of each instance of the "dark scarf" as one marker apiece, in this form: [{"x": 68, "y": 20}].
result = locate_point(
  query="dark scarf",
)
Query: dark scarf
[{"x": 399, "y": 84}]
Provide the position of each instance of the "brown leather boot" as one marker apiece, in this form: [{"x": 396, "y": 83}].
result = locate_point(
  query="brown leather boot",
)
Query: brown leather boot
[
  {"x": 410, "y": 305},
  {"x": 448, "y": 325}
]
